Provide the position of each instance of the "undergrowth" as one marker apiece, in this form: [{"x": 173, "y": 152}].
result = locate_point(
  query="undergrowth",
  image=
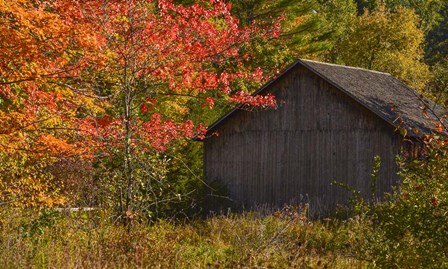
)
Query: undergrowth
[{"x": 49, "y": 239}]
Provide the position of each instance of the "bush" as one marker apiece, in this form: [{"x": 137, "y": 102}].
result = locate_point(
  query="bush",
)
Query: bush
[{"x": 410, "y": 229}]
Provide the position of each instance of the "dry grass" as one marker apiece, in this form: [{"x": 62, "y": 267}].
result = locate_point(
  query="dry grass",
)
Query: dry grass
[{"x": 55, "y": 240}]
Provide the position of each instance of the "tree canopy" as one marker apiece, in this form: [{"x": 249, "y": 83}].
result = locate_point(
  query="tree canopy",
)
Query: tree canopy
[
  {"x": 112, "y": 79},
  {"x": 386, "y": 41}
]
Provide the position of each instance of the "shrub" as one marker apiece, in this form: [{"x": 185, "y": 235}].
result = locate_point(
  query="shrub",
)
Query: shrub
[{"x": 410, "y": 229}]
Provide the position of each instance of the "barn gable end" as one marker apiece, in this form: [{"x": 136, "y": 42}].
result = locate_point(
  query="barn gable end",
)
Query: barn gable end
[{"x": 291, "y": 154}]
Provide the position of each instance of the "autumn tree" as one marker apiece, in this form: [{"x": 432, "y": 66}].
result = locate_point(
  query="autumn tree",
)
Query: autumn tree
[
  {"x": 427, "y": 11},
  {"x": 37, "y": 46},
  {"x": 386, "y": 41},
  {"x": 153, "y": 58},
  {"x": 112, "y": 82}
]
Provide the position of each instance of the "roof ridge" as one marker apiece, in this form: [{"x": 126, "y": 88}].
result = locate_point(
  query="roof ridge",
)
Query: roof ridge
[{"x": 345, "y": 66}]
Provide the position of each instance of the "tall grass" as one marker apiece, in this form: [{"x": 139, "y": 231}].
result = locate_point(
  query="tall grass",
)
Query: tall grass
[{"x": 48, "y": 239}]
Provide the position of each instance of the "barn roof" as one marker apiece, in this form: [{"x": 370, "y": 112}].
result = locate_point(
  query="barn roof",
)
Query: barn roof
[{"x": 379, "y": 92}]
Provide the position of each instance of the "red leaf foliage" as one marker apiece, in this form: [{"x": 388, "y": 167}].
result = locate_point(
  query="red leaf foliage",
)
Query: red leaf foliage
[{"x": 67, "y": 64}]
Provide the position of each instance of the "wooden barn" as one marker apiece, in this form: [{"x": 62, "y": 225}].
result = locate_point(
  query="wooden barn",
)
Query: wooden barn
[{"x": 330, "y": 123}]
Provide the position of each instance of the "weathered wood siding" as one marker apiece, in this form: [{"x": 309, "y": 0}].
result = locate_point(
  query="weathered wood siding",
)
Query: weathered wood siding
[{"x": 291, "y": 154}]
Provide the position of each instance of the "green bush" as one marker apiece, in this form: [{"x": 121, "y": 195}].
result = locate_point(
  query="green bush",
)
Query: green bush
[{"x": 410, "y": 229}]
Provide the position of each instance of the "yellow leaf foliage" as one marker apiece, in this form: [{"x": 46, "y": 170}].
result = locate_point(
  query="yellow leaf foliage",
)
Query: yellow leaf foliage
[{"x": 389, "y": 42}]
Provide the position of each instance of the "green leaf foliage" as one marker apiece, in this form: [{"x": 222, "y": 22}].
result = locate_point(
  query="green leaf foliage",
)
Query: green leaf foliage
[{"x": 410, "y": 229}]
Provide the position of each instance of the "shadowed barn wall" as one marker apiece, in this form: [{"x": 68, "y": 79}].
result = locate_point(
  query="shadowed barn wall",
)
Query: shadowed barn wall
[{"x": 291, "y": 154}]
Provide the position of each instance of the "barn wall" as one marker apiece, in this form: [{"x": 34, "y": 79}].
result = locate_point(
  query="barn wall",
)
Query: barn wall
[{"x": 291, "y": 154}]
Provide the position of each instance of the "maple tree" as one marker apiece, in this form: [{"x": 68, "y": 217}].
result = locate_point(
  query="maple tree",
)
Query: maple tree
[
  {"x": 37, "y": 46},
  {"x": 113, "y": 79}
]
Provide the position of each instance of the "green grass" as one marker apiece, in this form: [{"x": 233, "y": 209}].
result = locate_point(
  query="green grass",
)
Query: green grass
[{"x": 54, "y": 240}]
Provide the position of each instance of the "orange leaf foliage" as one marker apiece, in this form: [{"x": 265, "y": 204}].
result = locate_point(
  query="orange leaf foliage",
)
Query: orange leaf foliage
[{"x": 67, "y": 64}]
